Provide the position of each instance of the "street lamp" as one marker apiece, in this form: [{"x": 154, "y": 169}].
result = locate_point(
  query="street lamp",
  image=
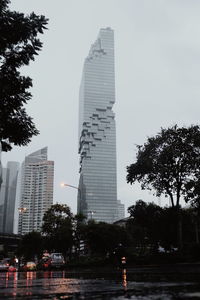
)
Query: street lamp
[
  {"x": 91, "y": 212},
  {"x": 74, "y": 187}
]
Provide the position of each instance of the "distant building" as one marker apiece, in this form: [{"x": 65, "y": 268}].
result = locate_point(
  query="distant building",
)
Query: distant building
[
  {"x": 97, "y": 197},
  {"x": 8, "y": 197},
  {"x": 36, "y": 195},
  {"x": 121, "y": 210},
  {"x": 122, "y": 222}
]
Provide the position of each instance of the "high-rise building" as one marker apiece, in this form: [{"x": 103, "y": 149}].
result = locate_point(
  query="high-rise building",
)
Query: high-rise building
[
  {"x": 8, "y": 197},
  {"x": 97, "y": 197},
  {"x": 36, "y": 195}
]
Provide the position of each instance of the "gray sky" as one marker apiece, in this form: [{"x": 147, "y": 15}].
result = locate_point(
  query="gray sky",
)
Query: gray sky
[{"x": 157, "y": 58}]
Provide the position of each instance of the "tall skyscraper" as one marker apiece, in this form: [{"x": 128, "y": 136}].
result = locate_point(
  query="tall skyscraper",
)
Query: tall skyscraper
[
  {"x": 8, "y": 197},
  {"x": 97, "y": 197},
  {"x": 36, "y": 195},
  {"x": 2, "y": 197}
]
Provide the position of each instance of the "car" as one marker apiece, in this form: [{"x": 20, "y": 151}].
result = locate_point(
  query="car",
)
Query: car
[
  {"x": 56, "y": 261},
  {"x": 44, "y": 263},
  {"x": 4, "y": 266},
  {"x": 6, "y": 260},
  {"x": 29, "y": 266},
  {"x": 12, "y": 268}
]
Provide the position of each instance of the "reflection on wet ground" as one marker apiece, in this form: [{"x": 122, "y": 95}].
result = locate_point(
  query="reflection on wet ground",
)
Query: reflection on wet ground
[{"x": 57, "y": 285}]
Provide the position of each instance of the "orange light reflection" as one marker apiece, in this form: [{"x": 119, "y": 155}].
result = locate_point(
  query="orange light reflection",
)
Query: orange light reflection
[{"x": 124, "y": 281}]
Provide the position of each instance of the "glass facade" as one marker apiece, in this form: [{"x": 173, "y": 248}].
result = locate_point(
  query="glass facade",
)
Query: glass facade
[
  {"x": 97, "y": 197},
  {"x": 8, "y": 197}
]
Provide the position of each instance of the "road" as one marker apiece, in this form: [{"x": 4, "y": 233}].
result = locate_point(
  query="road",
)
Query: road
[{"x": 57, "y": 285}]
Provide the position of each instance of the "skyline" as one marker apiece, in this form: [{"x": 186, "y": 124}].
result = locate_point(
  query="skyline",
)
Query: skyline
[{"x": 157, "y": 56}]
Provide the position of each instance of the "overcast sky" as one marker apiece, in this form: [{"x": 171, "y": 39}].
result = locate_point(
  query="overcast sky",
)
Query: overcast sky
[{"x": 157, "y": 59}]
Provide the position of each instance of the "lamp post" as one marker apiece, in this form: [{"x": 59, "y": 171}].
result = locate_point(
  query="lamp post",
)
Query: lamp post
[
  {"x": 80, "y": 196},
  {"x": 91, "y": 212},
  {"x": 72, "y": 186}
]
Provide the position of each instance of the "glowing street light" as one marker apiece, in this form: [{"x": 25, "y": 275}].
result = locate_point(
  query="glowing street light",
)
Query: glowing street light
[
  {"x": 72, "y": 186},
  {"x": 91, "y": 212}
]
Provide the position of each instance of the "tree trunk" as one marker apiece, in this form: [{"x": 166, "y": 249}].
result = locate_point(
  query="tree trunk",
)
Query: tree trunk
[
  {"x": 179, "y": 229},
  {"x": 179, "y": 220}
]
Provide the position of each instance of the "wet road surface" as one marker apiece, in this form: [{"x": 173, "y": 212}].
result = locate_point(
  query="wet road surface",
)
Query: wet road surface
[{"x": 57, "y": 285}]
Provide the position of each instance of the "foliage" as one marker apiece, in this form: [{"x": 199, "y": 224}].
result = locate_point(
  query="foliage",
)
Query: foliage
[
  {"x": 31, "y": 245},
  {"x": 58, "y": 228},
  {"x": 167, "y": 228},
  {"x": 78, "y": 232},
  {"x": 144, "y": 213},
  {"x": 102, "y": 238},
  {"x": 18, "y": 46},
  {"x": 152, "y": 225},
  {"x": 169, "y": 163},
  {"x": 145, "y": 219}
]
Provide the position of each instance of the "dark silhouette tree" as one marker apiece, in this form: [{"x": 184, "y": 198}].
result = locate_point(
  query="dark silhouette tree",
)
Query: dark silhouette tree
[
  {"x": 169, "y": 164},
  {"x": 102, "y": 238},
  {"x": 167, "y": 228},
  {"x": 79, "y": 225},
  {"x": 31, "y": 245},
  {"x": 144, "y": 224},
  {"x": 18, "y": 46},
  {"x": 58, "y": 228},
  {"x": 156, "y": 224}
]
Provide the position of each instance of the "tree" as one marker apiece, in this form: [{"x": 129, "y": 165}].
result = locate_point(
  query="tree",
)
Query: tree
[
  {"x": 102, "y": 238},
  {"x": 18, "y": 46},
  {"x": 152, "y": 225},
  {"x": 144, "y": 213},
  {"x": 58, "y": 228},
  {"x": 79, "y": 226},
  {"x": 144, "y": 223},
  {"x": 31, "y": 245},
  {"x": 169, "y": 163}
]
